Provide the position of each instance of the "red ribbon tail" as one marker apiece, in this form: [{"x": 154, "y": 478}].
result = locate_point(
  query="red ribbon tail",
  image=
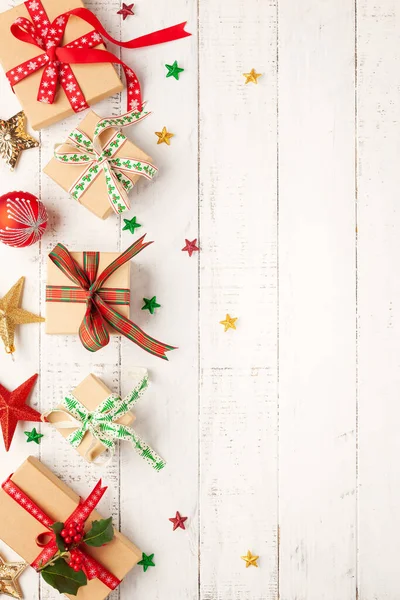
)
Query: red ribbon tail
[
  {"x": 85, "y": 508},
  {"x": 169, "y": 34},
  {"x": 47, "y": 554}
]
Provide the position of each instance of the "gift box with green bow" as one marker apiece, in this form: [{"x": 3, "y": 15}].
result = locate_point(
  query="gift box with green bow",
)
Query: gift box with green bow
[
  {"x": 98, "y": 165},
  {"x": 92, "y": 419}
]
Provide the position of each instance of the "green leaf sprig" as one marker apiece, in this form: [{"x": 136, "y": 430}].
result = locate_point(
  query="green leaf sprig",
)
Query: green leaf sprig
[{"x": 57, "y": 572}]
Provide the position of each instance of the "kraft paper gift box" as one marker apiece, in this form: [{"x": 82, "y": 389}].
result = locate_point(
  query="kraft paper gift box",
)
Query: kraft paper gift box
[
  {"x": 97, "y": 81},
  {"x": 19, "y": 529},
  {"x": 90, "y": 392},
  {"x": 66, "y": 317},
  {"x": 95, "y": 197}
]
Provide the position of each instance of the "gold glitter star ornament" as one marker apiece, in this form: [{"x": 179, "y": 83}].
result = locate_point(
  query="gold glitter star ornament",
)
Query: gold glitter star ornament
[
  {"x": 252, "y": 76},
  {"x": 250, "y": 559},
  {"x": 229, "y": 322},
  {"x": 12, "y": 315},
  {"x": 9, "y": 573},
  {"x": 14, "y": 139},
  {"x": 164, "y": 136}
]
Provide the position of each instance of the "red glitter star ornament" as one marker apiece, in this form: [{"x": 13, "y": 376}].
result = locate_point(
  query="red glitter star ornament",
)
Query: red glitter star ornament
[
  {"x": 178, "y": 521},
  {"x": 126, "y": 10},
  {"x": 13, "y": 409},
  {"x": 190, "y": 247}
]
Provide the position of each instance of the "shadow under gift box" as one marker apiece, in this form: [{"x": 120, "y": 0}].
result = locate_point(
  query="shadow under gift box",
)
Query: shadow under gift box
[
  {"x": 97, "y": 81},
  {"x": 19, "y": 529},
  {"x": 66, "y": 317}
]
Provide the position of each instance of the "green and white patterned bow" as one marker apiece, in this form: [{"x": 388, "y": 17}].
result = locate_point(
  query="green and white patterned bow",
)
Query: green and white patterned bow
[
  {"x": 81, "y": 150},
  {"x": 101, "y": 423}
]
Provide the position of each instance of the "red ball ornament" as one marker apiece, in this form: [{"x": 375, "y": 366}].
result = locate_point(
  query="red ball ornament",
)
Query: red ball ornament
[{"x": 23, "y": 219}]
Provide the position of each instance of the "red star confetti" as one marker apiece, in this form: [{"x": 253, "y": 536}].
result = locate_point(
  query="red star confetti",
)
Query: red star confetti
[
  {"x": 190, "y": 247},
  {"x": 178, "y": 521},
  {"x": 13, "y": 409},
  {"x": 126, "y": 10}
]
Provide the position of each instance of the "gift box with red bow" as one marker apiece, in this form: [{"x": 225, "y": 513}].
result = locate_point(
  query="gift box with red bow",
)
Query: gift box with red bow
[
  {"x": 26, "y": 63},
  {"x": 46, "y": 45},
  {"x": 33, "y": 501}
]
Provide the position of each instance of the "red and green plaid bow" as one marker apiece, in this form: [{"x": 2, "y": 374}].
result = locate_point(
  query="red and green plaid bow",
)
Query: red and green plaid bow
[{"x": 90, "y": 289}]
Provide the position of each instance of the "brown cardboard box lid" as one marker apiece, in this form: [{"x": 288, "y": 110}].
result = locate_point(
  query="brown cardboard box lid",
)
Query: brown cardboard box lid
[
  {"x": 97, "y": 81},
  {"x": 95, "y": 197},
  {"x": 20, "y": 530},
  {"x": 66, "y": 317},
  {"x": 90, "y": 392}
]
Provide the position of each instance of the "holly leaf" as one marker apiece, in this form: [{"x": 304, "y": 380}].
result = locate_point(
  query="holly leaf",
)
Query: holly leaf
[
  {"x": 57, "y": 528},
  {"x": 64, "y": 579},
  {"x": 100, "y": 533}
]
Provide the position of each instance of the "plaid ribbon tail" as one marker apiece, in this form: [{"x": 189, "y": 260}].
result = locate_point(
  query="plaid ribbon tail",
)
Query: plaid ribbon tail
[
  {"x": 132, "y": 331},
  {"x": 129, "y": 253},
  {"x": 92, "y": 331}
]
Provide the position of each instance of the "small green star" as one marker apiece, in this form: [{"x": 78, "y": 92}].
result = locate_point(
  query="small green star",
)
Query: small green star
[
  {"x": 150, "y": 304},
  {"x": 33, "y": 436},
  {"x": 131, "y": 225},
  {"x": 147, "y": 561},
  {"x": 174, "y": 70}
]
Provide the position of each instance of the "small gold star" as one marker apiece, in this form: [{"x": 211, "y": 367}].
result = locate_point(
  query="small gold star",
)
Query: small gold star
[
  {"x": 14, "y": 139},
  {"x": 229, "y": 322},
  {"x": 9, "y": 573},
  {"x": 250, "y": 559},
  {"x": 164, "y": 136},
  {"x": 252, "y": 76},
  {"x": 12, "y": 315}
]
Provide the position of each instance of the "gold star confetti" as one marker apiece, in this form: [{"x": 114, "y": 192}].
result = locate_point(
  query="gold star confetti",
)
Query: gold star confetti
[
  {"x": 164, "y": 136},
  {"x": 14, "y": 139},
  {"x": 252, "y": 76},
  {"x": 229, "y": 322},
  {"x": 11, "y": 315},
  {"x": 9, "y": 573},
  {"x": 250, "y": 559}
]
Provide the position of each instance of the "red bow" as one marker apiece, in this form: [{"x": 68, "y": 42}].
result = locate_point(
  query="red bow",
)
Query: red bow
[
  {"x": 56, "y": 60},
  {"x": 82, "y": 512}
]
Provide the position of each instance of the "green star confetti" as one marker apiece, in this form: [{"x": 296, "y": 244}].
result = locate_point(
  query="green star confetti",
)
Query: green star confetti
[
  {"x": 174, "y": 70},
  {"x": 150, "y": 304},
  {"x": 33, "y": 436},
  {"x": 147, "y": 561},
  {"x": 130, "y": 225}
]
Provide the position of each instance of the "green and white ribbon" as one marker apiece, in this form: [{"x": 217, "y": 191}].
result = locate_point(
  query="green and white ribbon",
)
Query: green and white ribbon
[
  {"x": 81, "y": 150},
  {"x": 101, "y": 423}
]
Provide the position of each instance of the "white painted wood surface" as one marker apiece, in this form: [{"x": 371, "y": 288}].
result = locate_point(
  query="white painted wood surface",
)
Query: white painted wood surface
[{"x": 281, "y": 436}]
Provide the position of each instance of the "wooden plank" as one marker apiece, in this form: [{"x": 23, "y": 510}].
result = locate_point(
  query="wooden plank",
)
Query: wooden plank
[
  {"x": 15, "y": 263},
  {"x": 317, "y": 408},
  {"x": 167, "y": 416},
  {"x": 238, "y": 219},
  {"x": 64, "y": 361},
  {"x": 378, "y": 27}
]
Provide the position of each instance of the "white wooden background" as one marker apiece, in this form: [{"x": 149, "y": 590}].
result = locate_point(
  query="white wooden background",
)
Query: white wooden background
[{"x": 281, "y": 437}]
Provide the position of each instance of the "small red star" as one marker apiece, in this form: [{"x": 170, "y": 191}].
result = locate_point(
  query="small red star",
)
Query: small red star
[
  {"x": 126, "y": 10},
  {"x": 13, "y": 409},
  {"x": 190, "y": 247},
  {"x": 178, "y": 521}
]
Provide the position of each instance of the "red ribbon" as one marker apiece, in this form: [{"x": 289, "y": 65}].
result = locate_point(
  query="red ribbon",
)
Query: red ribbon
[
  {"x": 92, "y": 567},
  {"x": 56, "y": 60}
]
